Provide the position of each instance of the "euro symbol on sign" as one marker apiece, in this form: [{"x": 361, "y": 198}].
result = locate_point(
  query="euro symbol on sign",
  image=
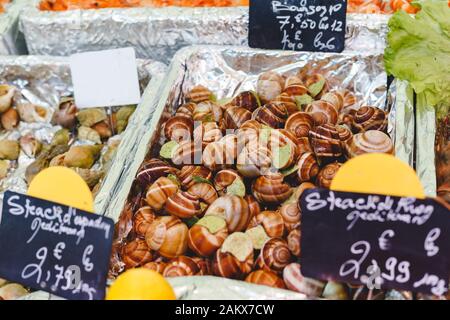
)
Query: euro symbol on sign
[{"x": 383, "y": 240}]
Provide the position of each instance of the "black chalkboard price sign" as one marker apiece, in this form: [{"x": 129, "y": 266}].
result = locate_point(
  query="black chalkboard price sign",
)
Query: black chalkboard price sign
[
  {"x": 300, "y": 25},
  {"x": 55, "y": 248},
  {"x": 380, "y": 241}
]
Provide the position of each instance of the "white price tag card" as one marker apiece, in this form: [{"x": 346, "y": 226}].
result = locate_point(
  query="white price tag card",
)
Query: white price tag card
[{"x": 105, "y": 78}]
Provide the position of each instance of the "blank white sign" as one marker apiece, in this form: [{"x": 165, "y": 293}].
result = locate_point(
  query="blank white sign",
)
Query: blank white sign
[{"x": 105, "y": 78}]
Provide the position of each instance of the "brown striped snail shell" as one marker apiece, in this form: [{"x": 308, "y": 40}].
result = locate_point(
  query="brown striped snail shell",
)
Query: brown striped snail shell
[
  {"x": 269, "y": 86},
  {"x": 204, "y": 191},
  {"x": 288, "y": 101},
  {"x": 295, "y": 281},
  {"x": 156, "y": 266},
  {"x": 207, "y": 111},
  {"x": 179, "y": 128},
  {"x": 300, "y": 123},
  {"x": 159, "y": 192},
  {"x": 326, "y": 142},
  {"x": 153, "y": 169},
  {"x": 187, "y": 174},
  {"x": 371, "y": 141},
  {"x": 204, "y": 242},
  {"x": 335, "y": 98},
  {"x": 183, "y": 205},
  {"x": 187, "y": 152},
  {"x": 304, "y": 145},
  {"x": 369, "y": 118},
  {"x": 247, "y": 100},
  {"x": 292, "y": 80},
  {"x": 308, "y": 167},
  {"x": 271, "y": 189},
  {"x": 224, "y": 178},
  {"x": 326, "y": 174},
  {"x": 251, "y": 124},
  {"x": 205, "y": 266},
  {"x": 186, "y": 109},
  {"x": 207, "y": 133},
  {"x": 293, "y": 241},
  {"x": 254, "y": 160},
  {"x": 274, "y": 255},
  {"x": 227, "y": 266},
  {"x": 253, "y": 205},
  {"x": 295, "y": 89},
  {"x": 168, "y": 236},
  {"x": 198, "y": 94},
  {"x": 349, "y": 98},
  {"x": 181, "y": 266},
  {"x": 344, "y": 134},
  {"x": 234, "y": 117},
  {"x": 271, "y": 221},
  {"x": 290, "y": 213},
  {"x": 217, "y": 155},
  {"x": 265, "y": 278},
  {"x": 272, "y": 114},
  {"x": 142, "y": 220},
  {"x": 136, "y": 253},
  {"x": 230, "y": 142},
  {"x": 322, "y": 112},
  {"x": 317, "y": 85},
  {"x": 278, "y": 140},
  {"x": 233, "y": 209}
]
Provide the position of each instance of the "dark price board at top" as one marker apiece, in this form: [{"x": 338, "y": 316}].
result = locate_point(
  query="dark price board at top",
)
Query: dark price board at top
[{"x": 299, "y": 25}]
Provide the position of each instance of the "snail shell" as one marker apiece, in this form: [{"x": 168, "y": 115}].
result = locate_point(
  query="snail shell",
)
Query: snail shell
[
  {"x": 10, "y": 119},
  {"x": 205, "y": 266},
  {"x": 187, "y": 152},
  {"x": 29, "y": 112},
  {"x": 265, "y": 278},
  {"x": 271, "y": 221},
  {"x": 205, "y": 242},
  {"x": 91, "y": 116},
  {"x": 322, "y": 112},
  {"x": 344, "y": 134},
  {"x": 349, "y": 98},
  {"x": 198, "y": 94},
  {"x": 254, "y": 160},
  {"x": 233, "y": 209},
  {"x": 207, "y": 133},
  {"x": 204, "y": 191},
  {"x": 187, "y": 173},
  {"x": 326, "y": 142},
  {"x": 269, "y": 86},
  {"x": 307, "y": 167},
  {"x": 369, "y": 118},
  {"x": 136, "y": 253},
  {"x": 179, "y": 128},
  {"x": 293, "y": 240},
  {"x": 66, "y": 115},
  {"x": 217, "y": 155},
  {"x": 291, "y": 215},
  {"x": 247, "y": 100},
  {"x": 335, "y": 98},
  {"x": 6, "y": 96},
  {"x": 295, "y": 89},
  {"x": 183, "y": 205},
  {"x": 159, "y": 192},
  {"x": 304, "y": 145},
  {"x": 271, "y": 189},
  {"x": 234, "y": 117},
  {"x": 156, "y": 266},
  {"x": 300, "y": 123},
  {"x": 292, "y": 80},
  {"x": 295, "y": 281},
  {"x": 274, "y": 256},
  {"x": 272, "y": 114},
  {"x": 288, "y": 101},
  {"x": 253, "y": 205},
  {"x": 317, "y": 85},
  {"x": 181, "y": 267},
  {"x": 103, "y": 129},
  {"x": 186, "y": 109},
  {"x": 142, "y": 220},
  {"x": 153, "y": 169},
  {"x": 208, "y": 111},
  {"x": 85, "y": 133},
  {"x": 369, "y": 142},
  {"x": 30, "y": 145},
  {"x": 326, "y": 174},
  {"x": 224, "y": 178},
  {"x": 168, "y": 236}
]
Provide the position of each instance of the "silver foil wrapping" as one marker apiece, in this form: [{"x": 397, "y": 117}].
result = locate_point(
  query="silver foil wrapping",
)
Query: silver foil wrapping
[
  {"x": 11, "y": 40},
  {"x": 158, "y": 33},
  {"x": 43, "y": 81}
]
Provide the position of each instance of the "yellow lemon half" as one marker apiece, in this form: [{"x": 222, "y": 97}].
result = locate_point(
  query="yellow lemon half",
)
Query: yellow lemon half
[{"x": 140, "y": 284}]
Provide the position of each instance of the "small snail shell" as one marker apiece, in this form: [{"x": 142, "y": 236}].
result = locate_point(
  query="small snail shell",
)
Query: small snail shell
[
  {"x": 30, "y": 145},
  {"x": 217, "y": 155},
  {"x": 251, "y": 124},
  {"x": 344, "y": 134},
  {"x": 369, "y": 118},
  {"x": 179, "y": 128},
  {"x": 335, "y": 98},
  {"x": 300, "y": 123},
  {"x": 153, "y": 169},
  {"x": 253, "y": 205},
  {"x": 187, "y": 173},
  {"x": 207, "y": 133},
  {"x": 294, "y": 280},
  {"x": 136, "y": 253},
  {"x": 272, "y": 114},
  {"x": 168, "y": 236},
  {"x": 307, "y": 167},
  {"x": 269, "y": 86},
  {"x": 208, "y": 111},
  {"x": 304, "y": 145},
  {"x": 283, "y": 146},
  {"x": 9, "y": 119},
  {"x": 254, "y": 160},
  {"x": 271, "y": 221},
  {"x": 274, "y": 255},
  {"x": 186, "y": 109},
  {"x": 247, "y": 100},
  {"x": 183, "y": 205},
  {"x": 29, "y": 112},
  {"x": 335, "y": 291},
  {"x": 293, "y": 240},
  {"x": 292, "y": 80},
  {"x": 159, "y": 192},
  {"x": 369, "y": 142},
  {"x": 142, "y": 220},
  {"x": 6, "y": 96},
  {"x": 326, "y": 142},
  {"x": 181, "y": 267},
  {"x": 322, "y": 112},
  {"x": 233, "y": 209},
  {"x": 187, "y": 152},
  {"x": 224, "y": 178},
  {"x": 326, "y": 174},
  {"x": 204, "y": 240},
  {"x": 295, "y": 89},
  {"x": 205, "y": 266},
  {"x": 317, "y": 85},
  {"x": 288, "y": 101},
  {"x": 103, "y": 129},
  {"x": 198, "y": 94},
  {"x": 265, "y": 278},
  {"x": 156, "y": 266},
  {"x": 349, "y": 98},
  {"x": 204, "y": 191},
  {"x": 291, "y": 216},
  {"x": 271, "y": 189},
  {"x": 234, "y": 117}
]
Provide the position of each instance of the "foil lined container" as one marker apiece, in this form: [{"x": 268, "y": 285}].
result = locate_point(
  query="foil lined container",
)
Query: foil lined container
[
  {"x": 158, "y": 33},
  {"x": 227, "y": 71},
  {"x": 43, "y": 81},
  {"x": 12, "y": 41}
]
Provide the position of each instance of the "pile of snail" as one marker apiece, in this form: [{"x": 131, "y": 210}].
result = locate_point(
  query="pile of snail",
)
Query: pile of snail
[
  {"x": 222, "y": 196},
  {"x": 85, "y": 140}
]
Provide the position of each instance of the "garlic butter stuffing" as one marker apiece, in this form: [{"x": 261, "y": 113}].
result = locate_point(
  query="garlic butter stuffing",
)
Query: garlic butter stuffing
[
  {"x": 82, "y": 139},
  {"x": 222, "y": 196}
]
